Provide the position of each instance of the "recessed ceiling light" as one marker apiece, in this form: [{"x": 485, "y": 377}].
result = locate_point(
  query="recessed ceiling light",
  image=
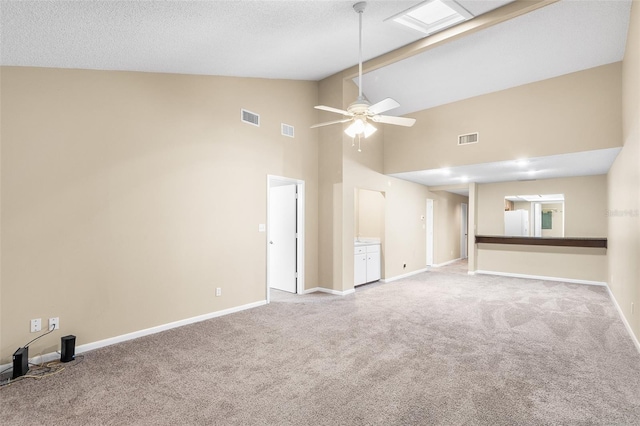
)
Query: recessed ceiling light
[
  {"x": 522, "y": 163},
  {"x": 432, "y": 16},
  {"x": 532, "y": 172},
  {"x": 464, "y": 178},
  {"x": 445, "y": 171}
]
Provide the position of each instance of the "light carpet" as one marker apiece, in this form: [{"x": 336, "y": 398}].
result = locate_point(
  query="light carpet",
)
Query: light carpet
[{"x": 439, "y": 348}]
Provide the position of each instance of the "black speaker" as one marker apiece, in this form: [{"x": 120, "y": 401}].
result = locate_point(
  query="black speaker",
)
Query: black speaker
[
  {"x": 67, "y": 348},
  {"x": 20, "y": 362}
]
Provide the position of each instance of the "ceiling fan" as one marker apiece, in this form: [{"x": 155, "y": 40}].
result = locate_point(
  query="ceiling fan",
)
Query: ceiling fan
[{"x": 361, "y": 112}]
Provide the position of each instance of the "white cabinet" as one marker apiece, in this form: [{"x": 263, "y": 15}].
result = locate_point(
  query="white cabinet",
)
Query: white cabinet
[
  {"x": 360, "y": 268},
  {"x": 373, "y": 263},
  {"x": 366, "y": 264}
]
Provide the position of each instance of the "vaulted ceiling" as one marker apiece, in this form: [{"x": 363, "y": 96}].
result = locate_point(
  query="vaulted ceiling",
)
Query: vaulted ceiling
[{"x": 311, "y": 40}]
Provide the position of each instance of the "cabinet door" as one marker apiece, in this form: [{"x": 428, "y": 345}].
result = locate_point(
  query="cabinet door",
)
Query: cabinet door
[
  {"x": 373, "y": 266},
  {"x": 360, "y": 268}
]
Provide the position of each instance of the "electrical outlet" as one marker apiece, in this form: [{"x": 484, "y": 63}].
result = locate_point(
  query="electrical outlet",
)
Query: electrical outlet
[
  {"x": 36, "y": 325},
  {"x": 54, "y": 323},
  {"x": 218, "y": 291}
]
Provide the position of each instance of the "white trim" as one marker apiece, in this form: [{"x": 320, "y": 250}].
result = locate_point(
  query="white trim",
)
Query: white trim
[
  {"x": 540, "y": 277},
  {"x": 449, "y": 262},
  {"x": 330, "y": 291},
  {"x": 141, "y": 333},
  {"x": 634, "y": 339},
  {"x": 399, "y": 277}
]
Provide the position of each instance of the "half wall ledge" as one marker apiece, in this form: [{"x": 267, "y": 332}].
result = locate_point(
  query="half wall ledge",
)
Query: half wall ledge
[{"x": 543, "y": 241}]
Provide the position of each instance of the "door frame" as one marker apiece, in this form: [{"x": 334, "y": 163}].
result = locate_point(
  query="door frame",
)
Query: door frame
[
  {"x": 273, "y": 180},
  {"x": 430, "y": 238},
  {"x": 464, "y": 230}
]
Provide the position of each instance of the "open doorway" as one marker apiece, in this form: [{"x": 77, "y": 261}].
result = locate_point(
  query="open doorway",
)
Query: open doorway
[
  {"x": 369, "y": 231},
  {"x": 285, "y": 235}
]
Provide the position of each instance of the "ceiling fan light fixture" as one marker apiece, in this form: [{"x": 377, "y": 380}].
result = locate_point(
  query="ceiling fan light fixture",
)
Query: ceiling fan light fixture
[
  {"x": 360, "y": 127},
  {"x": 369, "y": 129},
  {"x": 359, "y": 111}
]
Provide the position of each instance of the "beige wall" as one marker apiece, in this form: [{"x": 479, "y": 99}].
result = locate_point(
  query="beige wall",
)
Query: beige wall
[
  {"x": 129, "y": 197},
  {"x": 330, "y": 188},
  {"x": 369, "y": 213},
  {"x": 571, "y": 113},
  {"x": 447, "y": 225},
  {"x": 404, "y": 240},
  {"x": 585, "y": 216},
  {"x": 624, "y": 187},
  {"x": 343, "y": 170}
]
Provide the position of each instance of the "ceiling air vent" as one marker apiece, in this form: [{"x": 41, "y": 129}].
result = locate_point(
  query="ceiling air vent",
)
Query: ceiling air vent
[
  {"x": 250, "y": 117},
  {"x": 286, "y": 129},
  {"x": 468, "y": 138}
]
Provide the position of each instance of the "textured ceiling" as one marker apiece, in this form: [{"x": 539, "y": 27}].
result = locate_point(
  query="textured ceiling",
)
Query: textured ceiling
[
  {"x": 311, "y": 40},
  {"x": 306, "y": 40}
]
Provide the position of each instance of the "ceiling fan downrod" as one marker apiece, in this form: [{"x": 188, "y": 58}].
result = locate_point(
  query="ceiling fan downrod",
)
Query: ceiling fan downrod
[{"x": 359, "y": 8}]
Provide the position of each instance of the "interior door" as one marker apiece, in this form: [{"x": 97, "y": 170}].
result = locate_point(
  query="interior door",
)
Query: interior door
[{"x": 282, "y": 238}]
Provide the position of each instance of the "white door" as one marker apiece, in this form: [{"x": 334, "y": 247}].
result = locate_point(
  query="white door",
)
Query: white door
[
  {"x": 282, "y": 238},
  {"x": 429, "y": 232},
  {"x": 464, "y": 238},
  {"x": 373, "y": 263}
]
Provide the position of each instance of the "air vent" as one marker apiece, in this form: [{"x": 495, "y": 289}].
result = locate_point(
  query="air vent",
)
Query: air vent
[
  {"x": 468, "y": 138},
  {"x": 286, "y": 129},
  {"x": 250, "y": 117}
]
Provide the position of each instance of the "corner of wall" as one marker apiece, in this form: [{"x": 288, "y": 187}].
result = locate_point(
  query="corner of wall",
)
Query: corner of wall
[{"x": 623, "y": 184}]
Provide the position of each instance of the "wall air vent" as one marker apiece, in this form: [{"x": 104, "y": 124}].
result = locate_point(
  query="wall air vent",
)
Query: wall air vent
[
  {"x": 250, "y": 117},
  {"x": 468, "y": 138},
  {"x": 286, "y": 130}
]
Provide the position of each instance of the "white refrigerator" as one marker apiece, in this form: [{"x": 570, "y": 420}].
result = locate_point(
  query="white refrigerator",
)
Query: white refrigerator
[{"x": 516, "y": 223}]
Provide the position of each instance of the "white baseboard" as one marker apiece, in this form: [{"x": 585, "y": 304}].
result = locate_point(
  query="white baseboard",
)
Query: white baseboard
[
  {"x": 624, "y": 320},
  {"x": 140, "y": 333},
  {"x": 329, "y": 291},
  {"x": 399, "y": 277},
  {"x": 540, "y": 277},
  {"x": 439, "y": 265}
]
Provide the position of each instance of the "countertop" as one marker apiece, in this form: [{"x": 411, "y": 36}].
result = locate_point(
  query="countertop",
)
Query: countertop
[{"x": 366, "y": 242}]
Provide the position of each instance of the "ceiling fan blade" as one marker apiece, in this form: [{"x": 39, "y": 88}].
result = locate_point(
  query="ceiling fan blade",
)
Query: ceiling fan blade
[
  {"x": 382, "y": 106},
  {"x": 398, "y": 121},
  {"x": 327, "y": 123},
  {"x": 331, "y": 109}
]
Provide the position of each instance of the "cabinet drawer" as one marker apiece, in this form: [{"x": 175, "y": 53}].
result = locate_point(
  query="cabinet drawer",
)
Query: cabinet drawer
[{"x": 359, "y": 250}]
